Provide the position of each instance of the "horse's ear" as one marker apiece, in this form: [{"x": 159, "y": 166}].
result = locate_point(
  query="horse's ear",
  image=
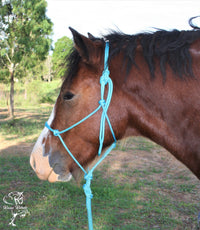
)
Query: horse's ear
[
  {"x": 89, "y": 50},
  {"x": 91, "y": 37}
]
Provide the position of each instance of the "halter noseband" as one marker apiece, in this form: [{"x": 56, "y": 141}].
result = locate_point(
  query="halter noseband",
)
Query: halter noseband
[{"x": 104, "y": 104}]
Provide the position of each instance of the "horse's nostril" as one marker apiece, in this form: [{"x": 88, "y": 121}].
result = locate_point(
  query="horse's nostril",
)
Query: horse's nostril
[{"x": 32, "y": 162}]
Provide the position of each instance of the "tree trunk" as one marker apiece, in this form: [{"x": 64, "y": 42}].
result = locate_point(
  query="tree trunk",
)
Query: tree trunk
[
  {"x": 12, "y": 92},
  {"x": 7, "y": 102}
]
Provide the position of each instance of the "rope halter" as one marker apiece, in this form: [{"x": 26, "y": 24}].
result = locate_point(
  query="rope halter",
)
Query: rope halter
[{"x": 104, "y": 105}]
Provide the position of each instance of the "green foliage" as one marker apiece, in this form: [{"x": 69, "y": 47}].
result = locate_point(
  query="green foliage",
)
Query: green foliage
[
  {"x": 62, "y": 49},
  {"x": 24, "y": 28},
  {"x": 46, "y": 92},
  {"x": 32, "y": 93},
  {"x": 3, "y": 75},
  {"x": 24, "y": 38}
]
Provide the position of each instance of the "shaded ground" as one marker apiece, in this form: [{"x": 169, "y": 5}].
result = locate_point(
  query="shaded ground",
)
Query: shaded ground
[{"x": 18, "y": 137}]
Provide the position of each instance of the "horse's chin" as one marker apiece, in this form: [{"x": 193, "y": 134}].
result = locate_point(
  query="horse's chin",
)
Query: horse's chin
[
  {"x": 53, "y": 177},
  {"x": 65, "y": 178}
]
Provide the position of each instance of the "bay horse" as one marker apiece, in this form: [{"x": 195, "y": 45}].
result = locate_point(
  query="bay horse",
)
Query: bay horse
[{"x": 156, "y": 94}]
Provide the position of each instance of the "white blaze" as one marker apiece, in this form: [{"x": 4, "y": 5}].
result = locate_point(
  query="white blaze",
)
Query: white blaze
[{"x": 39, "y": 162}]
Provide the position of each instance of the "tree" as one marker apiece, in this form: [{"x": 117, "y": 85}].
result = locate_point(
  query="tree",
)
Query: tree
[
  {"x": 24, "y": 30},
  {"x": 61, "y": 50}
]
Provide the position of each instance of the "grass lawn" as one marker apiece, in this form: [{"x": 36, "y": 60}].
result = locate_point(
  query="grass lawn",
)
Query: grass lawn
[{"x": 138, "y": 186}]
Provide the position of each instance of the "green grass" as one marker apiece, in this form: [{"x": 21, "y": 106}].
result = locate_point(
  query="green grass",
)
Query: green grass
[
  {"x": 115, "y": 206},
  {"x": 29, "y": 123}
]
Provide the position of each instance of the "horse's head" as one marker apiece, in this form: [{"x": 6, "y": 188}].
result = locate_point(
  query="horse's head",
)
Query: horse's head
[{"x": 79, "y": 96}]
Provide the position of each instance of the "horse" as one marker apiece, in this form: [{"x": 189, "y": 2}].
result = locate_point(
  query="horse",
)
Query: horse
[{"x": 156, "y": 94}]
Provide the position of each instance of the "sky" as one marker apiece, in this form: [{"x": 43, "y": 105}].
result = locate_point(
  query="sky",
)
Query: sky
[{"x": 98, "y": 17}]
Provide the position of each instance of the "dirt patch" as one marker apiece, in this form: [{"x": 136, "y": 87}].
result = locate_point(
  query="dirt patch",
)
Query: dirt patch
[
  {"x": 11, "y": 143},
  {"x": 161, "y": 163},
  {"x": 15, "y": 148}
]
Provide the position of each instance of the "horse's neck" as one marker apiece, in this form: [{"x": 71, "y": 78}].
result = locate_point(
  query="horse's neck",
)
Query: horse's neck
[{"x": 157, "y": 112}]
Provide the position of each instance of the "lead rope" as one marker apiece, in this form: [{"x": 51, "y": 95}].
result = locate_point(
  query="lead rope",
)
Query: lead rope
[{"x": 104, "y": 104}]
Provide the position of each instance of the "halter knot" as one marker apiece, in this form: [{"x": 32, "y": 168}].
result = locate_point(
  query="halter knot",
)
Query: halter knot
[
  {"x": 102, "y": 102},
  {"x": 88, "y": 191},
  {"x": 56, "y": 132},
  {"x": 88, "y": 176},
  {"x": 105, "y": 77},
  {"x": 86, "y": 186}
]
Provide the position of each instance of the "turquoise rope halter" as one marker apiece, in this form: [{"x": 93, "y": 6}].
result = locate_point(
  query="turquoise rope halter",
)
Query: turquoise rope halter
[{"x": 104, "y": 105}]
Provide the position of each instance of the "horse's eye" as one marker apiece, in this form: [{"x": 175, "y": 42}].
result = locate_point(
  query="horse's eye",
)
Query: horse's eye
[{"x": 68, "y": 96}]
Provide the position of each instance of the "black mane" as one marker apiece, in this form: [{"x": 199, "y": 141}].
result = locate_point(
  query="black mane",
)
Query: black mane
[
  {"x": 72, "y": 60},
  {"x": 170, "y": 47}
]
